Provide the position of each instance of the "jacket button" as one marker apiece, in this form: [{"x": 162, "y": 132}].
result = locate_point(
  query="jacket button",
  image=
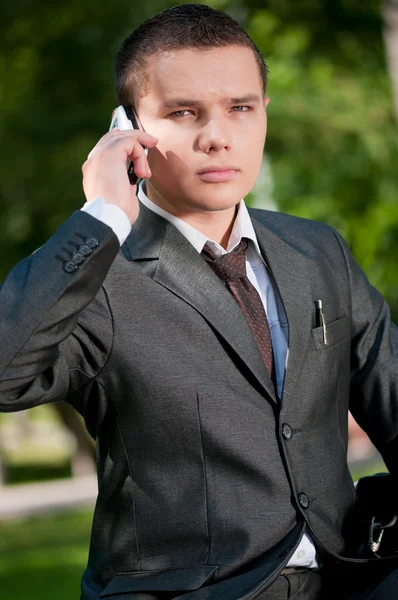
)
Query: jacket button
[
  {"x": 304, "y": 501},
  {"x": 70, "y": 266},
  {"x": 92, "y": 242},
  {"x": 85, "y": 250},
  {"x": 78, "y": 258},
  {"x": 287, "y": 431}
]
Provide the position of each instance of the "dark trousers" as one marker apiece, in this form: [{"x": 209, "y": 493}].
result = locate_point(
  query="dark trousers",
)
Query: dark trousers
[
  {"x": 302, "y": 585},
  {"x": 365, "y": 584},
  {"x": 350, "y": 584}
]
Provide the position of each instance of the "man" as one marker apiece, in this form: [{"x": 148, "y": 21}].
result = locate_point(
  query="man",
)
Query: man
[{"x": 213, "y": 352}]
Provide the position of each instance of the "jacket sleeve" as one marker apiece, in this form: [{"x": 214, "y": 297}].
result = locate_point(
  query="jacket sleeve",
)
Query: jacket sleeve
[
  {"x": 374, "y": 363},
  {"x": 55, "y": 325}
]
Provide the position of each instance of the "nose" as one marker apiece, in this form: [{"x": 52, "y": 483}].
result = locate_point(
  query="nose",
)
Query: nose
[{"x": 214, "y": 136}]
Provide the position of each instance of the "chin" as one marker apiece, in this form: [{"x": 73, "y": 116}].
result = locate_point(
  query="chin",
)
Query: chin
[
  {"x": 215, "y": 197},
  {"x": 216, "y": 206},
  {"x": 213, "y": 204}
]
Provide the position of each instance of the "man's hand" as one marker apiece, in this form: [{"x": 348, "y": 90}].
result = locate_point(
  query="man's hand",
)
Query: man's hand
[{"x": 105, "y": 172}]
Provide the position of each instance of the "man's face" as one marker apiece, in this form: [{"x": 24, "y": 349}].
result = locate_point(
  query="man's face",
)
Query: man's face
[{"x": 207, "y": 109}]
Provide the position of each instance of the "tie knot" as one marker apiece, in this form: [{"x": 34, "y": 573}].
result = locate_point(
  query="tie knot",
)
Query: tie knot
[{"x": 230, "y": 266}]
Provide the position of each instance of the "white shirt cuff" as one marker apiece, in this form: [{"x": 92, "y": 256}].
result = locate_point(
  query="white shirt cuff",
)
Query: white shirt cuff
[{"x": 111, "y": 215}]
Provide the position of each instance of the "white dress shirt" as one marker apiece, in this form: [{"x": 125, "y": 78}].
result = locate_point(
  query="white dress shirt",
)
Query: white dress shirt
[{"x": 305, "y": 554}]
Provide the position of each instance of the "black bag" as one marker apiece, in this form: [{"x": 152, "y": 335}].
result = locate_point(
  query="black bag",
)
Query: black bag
[{"x": 375, "y": 517}]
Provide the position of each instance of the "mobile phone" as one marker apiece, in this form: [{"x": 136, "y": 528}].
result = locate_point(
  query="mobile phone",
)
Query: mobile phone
[{"x": 124, "y": 117}]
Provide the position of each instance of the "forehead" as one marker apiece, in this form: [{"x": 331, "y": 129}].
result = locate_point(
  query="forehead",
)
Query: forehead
[{"x": 196, "y": 73}]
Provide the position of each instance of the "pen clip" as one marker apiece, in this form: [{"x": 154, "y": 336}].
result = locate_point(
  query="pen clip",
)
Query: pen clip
[{"x": 320, "y": 320}]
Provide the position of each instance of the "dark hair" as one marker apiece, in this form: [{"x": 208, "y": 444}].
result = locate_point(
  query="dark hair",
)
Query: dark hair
[{"x": 183, "y": 26}]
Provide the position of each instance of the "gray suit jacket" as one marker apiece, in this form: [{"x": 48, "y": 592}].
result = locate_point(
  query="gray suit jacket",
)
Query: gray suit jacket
[{"x": 206, "y": 480}]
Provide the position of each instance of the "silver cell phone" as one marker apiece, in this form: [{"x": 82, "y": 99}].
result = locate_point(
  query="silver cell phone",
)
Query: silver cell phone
[{"x": 124, "y": 117}]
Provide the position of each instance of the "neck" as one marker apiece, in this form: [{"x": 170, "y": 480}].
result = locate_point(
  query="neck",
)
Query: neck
[{"x": 214, "y": 224}]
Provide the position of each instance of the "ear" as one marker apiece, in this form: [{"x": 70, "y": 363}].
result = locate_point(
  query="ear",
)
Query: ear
[{"x": 267, "y": 100}]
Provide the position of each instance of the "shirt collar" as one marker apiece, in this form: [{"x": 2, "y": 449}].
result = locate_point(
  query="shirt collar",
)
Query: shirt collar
[{"x": 243, "y": 227}]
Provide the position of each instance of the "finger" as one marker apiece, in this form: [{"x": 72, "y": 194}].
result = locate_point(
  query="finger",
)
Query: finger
[
  {"x": 113, "y": 136},
  {"x": 141, "y": 167},
  {"x": 129, "y": 141},
  {"x": 102, "y": 140},
  {"x": 140, "y": 161},
  {"x": 145, "y": 139}
]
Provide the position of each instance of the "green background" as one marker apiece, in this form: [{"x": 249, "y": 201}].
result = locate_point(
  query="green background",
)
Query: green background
[
  {"x": 331, "y": 155},
  {"x": 332, "y": 141}
]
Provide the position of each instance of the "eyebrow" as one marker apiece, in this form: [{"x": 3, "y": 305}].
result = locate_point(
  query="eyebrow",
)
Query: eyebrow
[{"x": 178, "y": 102}]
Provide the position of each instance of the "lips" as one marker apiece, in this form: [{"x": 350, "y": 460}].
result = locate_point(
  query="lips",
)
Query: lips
[
  {"x": 217, "y": 174},
  {"x": 215, "y": 168}
]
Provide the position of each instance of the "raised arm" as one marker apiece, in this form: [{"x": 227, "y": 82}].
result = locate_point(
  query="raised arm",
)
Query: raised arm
[
  {"x": 55, "y": 326},
  {"x": 40, "y": 304}
]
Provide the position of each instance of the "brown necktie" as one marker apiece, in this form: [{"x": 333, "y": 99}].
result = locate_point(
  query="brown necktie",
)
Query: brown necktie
[{"x": 231, "y": 268}]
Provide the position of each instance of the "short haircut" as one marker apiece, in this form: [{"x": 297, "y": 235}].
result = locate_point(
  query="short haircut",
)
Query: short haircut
[{"x": 185, "y": 26}]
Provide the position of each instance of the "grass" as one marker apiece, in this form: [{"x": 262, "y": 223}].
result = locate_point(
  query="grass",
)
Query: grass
[
  {"x": 43, "y": 558},
  {"x": 44, "y": 412},
  {"x": 377, "y": 467}
]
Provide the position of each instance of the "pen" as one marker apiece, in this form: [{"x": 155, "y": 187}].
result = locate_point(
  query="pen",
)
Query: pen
[{"x": 320, "y": 319}]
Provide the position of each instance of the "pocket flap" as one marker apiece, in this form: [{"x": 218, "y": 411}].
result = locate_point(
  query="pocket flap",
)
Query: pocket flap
[
  {"x": 169, "y": 580},
  {"x": 336, "y": 331}
]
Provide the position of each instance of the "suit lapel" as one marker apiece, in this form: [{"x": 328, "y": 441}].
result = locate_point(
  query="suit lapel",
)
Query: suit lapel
[
  {"x": 146, "y": 237},
  {"x": 183, "y": 271},
  {"x": 290, "y": 271}
]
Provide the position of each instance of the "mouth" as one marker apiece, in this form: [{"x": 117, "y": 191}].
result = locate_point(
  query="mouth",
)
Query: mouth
[{"x": 218, "y": 174}]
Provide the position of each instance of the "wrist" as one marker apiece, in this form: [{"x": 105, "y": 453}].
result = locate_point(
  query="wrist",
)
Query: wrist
[{"x": 110, "y": 214}]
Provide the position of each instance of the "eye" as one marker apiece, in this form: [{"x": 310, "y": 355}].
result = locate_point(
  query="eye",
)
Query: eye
[
  {"x": 241, "y": 108},
  {"x": 179, "y": 113}
]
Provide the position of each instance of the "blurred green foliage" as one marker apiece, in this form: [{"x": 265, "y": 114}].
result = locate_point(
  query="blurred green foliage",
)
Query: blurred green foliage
[
  {"x": 332, "y": 151},
  {"x": 332, "y": 141},
  {"x": 43, "y": 558}
]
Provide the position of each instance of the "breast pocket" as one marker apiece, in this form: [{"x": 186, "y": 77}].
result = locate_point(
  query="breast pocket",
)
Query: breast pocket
[{"x": 336, "y": 331}]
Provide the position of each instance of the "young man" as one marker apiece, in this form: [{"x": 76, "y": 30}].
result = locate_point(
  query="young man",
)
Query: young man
[{"x": 189, "y": 333}]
